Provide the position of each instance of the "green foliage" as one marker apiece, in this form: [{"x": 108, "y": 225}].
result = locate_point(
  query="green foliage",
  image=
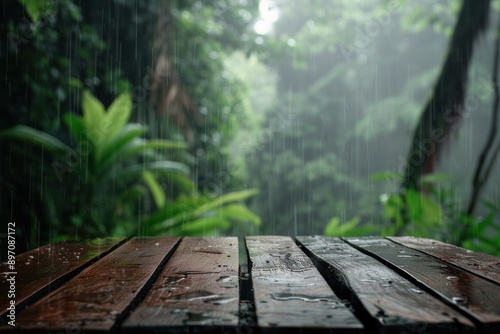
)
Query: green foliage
[
  {"x": 105, "y": 157},
  {"x": 36, "y": 8},
  {"x": 481, "y": 233},
  {"x": 384, "y": 176},
  {"x": 310, "y": 164},
  {"x": 424, "y": 214},
  {"x": 35, "y": 137},
  {"x": 113, "y": 174},
  {"x": 412, "y": 212},
  {"x": 38, "y": 90},
  {"x": 438, "y": 214},
  {"x": 478, "y": 232},
  {"x": 206, "y": 34},
  {"x": 366, "y": 68},
  {"x": 349, "y": 228},
  {"x": 112, "y": 156},
  {"x": 155, "y": 188},
  {"x": 408, "y": 213},
  {"x": 203, "y": 215},
  {"x": 345, "y": 98}
]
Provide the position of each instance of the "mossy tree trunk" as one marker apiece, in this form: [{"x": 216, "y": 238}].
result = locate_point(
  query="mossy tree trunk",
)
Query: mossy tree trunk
[{"x": 447, "y": 103}]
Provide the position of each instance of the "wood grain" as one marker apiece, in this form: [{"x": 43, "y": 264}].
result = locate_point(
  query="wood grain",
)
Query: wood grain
[
  {"x": 385, "y": 300},
  {"x": 472, "y": 295},
  {"x": 43, "y": 269},
  {"x": 196, "y": 291},
  {"x": 102, "y": 293},
  {"x": 290, "y": 294},
  {"x": 484, "y": 265}
]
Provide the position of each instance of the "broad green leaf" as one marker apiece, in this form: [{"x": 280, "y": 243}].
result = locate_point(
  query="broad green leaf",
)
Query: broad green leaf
[
  {"x": 155, "y": 188},
  {"x": 75, "y": 125},
  {"x": 201, "y": 206},
  {"x": 117, "y": 115},
  {"x": 203, "y": 226},
  {"x": 176, "y": 211},
  {"x": 241, "y": 213},
  {"x": 160, "y": 167},
  {"x": 385, "y": 176},
  {"x": 227, "y": 198},
  {"x": 115, "y": 151},
  {"x": 37, "y": 137},
  {"x": 349, "y": 228},
  {"x": 183, "y": 181},
  {"x": 332, "y": 227},
  {"x": 414, "y": 205},
  {"x": 93, "y": 115},
  {"x": 115, "y": 146},
  {"x": 164, "y": 144},
  {"x": 119, "y": 229},
  {"x": 75, "y": 83},
  {"x": 34, "y": 8},
  {"x": 423, "y": 210},
  {"x": 486, "y": 223},
  {"x": 434, "y": 178},
  {"x": 132, "y": 193}
]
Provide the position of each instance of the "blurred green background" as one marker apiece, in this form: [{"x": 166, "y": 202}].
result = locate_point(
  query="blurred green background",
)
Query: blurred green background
[{"x": 239, "y": 117}]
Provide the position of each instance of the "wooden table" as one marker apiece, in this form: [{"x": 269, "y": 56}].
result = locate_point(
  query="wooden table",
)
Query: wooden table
[{"x": 310, "y": 284}]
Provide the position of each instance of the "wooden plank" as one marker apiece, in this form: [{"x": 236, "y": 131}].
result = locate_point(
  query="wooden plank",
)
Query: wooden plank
[
  {"x": 290, "y": 294},
  {"x": 41, "y": 270},
  {"x": 472, "y": 295},
  {"x": 196, "y": 291},
  {"x": 384, "y": 299},
  {"x": 101, "y": 294},
  {"x": 484, "y": 265}
]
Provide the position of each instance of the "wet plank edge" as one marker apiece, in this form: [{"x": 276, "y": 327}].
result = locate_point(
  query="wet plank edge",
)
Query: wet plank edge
[
  {"x": 474, "y": 262},
  {"x": 378, "y": 309},
  {"x": 41, "y": 289},
  {"x": 197, "y": 291},
  {"x": 276, "y": 265},
  {"x": 248, "y": 318},
  {"x": 412, "y": 274},
  {"x": 125, "y": 302}
]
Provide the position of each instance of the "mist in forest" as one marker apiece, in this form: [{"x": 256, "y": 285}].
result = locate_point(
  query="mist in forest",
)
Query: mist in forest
[{"x": 239, "y": 117}]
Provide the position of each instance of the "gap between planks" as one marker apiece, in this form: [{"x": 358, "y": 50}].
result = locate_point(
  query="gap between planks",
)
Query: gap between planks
[
  {"x": 101, "y": 295},
  {"x": 198, "y": 288},
  {"x": 290, "y": 294},
  {"x": 384, "y": 299},
  {"x": 46, "y": 268}
]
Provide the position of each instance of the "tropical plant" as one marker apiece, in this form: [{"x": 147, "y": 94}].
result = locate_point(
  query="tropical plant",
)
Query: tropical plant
[
  {"x": 337, "y": 228},
  {"x": 437, "y": 213},
  {"x": 480, "y": 232},
  {"x": 110, "y": 174}
]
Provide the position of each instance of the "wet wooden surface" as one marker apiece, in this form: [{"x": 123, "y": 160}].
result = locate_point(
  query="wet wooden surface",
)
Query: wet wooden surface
[
  {"x": 198, "y": 288},
  {"x": 196, "y": 285},
  {"x": 484, "y": 265},
  {"x": 290, "y": 293},
  {"x": 94, "y": 299},
  {"x": 473, "y": 295},
  {"x": 385, "y": 299},
  {"x": 42, "y": 269}
]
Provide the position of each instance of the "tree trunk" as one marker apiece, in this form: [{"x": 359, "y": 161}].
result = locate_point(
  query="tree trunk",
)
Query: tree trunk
[{"x": 445, "y": 107}]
